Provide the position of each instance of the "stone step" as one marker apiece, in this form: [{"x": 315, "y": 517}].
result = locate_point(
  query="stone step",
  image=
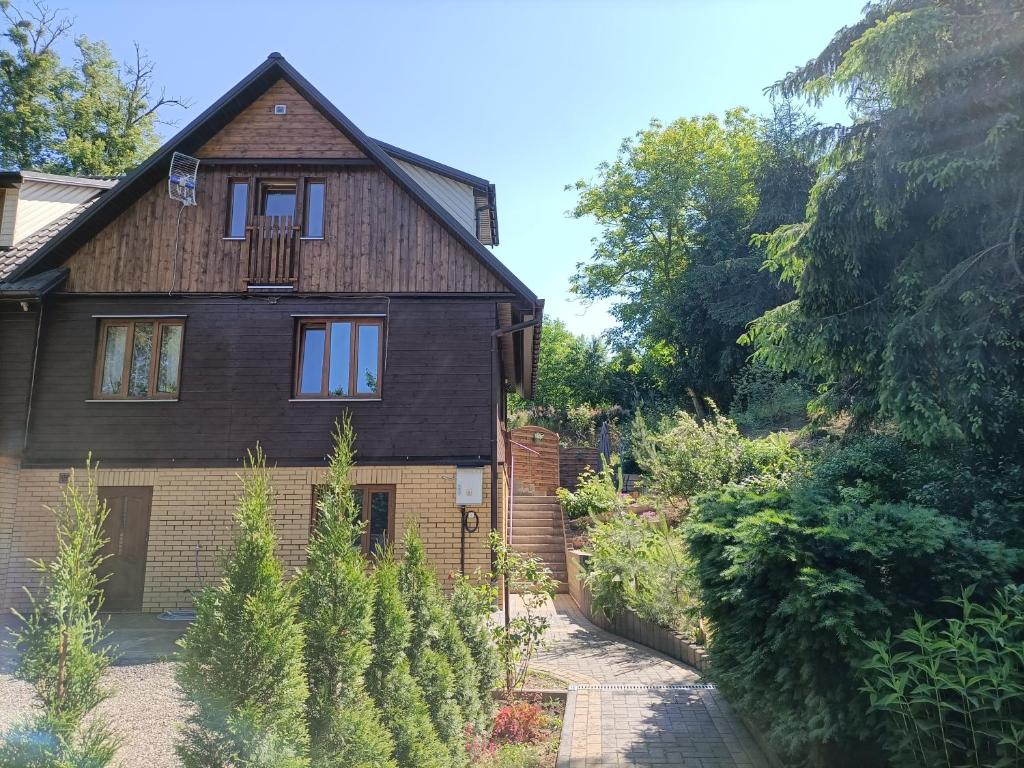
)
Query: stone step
[
  {"x": 553, "y": 527},
  {"x": 531, "y": 528},
  {"x": 543, "y": 551},
  {"x": 535, "y": 512},
  {"x": 521, "y": 537}
]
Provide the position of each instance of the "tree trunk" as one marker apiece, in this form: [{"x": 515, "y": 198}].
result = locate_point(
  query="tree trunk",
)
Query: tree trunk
[{"x": 698, "y": 406}]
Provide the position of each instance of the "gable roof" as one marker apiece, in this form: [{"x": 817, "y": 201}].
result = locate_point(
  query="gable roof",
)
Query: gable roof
[{"x": 210, "y": 122}]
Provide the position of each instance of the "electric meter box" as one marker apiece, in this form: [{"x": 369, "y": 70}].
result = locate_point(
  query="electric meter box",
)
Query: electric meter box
[{"x": 469, "y": 486}]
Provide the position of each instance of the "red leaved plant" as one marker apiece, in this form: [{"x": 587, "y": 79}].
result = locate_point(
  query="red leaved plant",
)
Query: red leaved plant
[{"x": 519, "y": 722}]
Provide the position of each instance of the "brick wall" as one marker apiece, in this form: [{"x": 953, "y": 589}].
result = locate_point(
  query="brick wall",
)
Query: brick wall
[
  {"x": 535, "y": 461},
  {"x": 193, "y": 506},
  {"x": 8, "y": 503}
]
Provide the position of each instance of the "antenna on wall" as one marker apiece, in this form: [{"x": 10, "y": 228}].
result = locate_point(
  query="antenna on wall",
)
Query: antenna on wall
[
  {"x": 181, "y": 181},
  {"x": 181, "y": 186}
]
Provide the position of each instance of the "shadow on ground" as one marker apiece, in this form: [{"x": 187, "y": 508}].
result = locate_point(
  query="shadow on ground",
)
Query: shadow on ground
[{"x": 135, "y": 638}]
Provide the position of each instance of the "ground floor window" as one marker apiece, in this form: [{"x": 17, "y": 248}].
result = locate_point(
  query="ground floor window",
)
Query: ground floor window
[{"x": 376, "y": 504}]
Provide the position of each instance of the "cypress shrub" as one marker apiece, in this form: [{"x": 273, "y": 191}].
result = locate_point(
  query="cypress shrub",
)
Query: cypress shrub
[
  {"x": 389, "y": 678},
  {"x": 61, "y": 644},
  {"x": 241, "y": 660},
  {"x": 440, "y": 658},
  {"x": 472, "y": 606},
  {"x": 336, "y": 607}
]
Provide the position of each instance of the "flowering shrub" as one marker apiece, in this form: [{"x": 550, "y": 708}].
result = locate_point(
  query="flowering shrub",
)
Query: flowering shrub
[{"x": 519, "y": 722}]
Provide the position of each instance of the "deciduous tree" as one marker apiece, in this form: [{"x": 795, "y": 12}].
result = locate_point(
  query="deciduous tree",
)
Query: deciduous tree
[{"x": 90, "y": 116}]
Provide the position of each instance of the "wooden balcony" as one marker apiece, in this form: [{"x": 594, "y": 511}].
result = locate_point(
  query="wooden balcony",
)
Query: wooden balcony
[{"x": 271, "y": 255}]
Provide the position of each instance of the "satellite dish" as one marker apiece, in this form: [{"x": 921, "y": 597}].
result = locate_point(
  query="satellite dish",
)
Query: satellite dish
[{"x": 181, "y": 181}]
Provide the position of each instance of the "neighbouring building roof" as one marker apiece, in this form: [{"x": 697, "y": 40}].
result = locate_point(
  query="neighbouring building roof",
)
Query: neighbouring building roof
[
  {"x": 25, "y": 249},
  {"x": 11, "y": 178}
]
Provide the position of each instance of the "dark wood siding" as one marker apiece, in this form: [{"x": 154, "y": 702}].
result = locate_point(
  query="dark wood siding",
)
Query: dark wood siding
[
  {"x": 236, "y": 383},
  {"x": 17, "y": 340},
  {"x": 377, "y": 239}
]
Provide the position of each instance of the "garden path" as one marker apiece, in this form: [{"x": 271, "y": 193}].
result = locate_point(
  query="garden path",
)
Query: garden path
[{"x": 632, "y": 706}]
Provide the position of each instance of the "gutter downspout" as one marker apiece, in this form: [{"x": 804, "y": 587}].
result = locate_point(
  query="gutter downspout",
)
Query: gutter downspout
[
  {"x": 495, "y": 378},
  {"x": 32, "y": 380}
]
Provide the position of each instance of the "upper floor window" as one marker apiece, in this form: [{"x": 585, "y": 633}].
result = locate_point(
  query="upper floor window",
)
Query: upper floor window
[
  {"x": 277, "y": 200},
  {"x": 238, "y": 210},
  {"x": 139, "y": 358},
  {"x": 314, "y": 223},
  {"x": 339, "y": 357}
]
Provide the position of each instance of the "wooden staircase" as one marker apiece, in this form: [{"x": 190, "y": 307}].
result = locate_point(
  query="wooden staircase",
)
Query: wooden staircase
[{"x": 537, "y": 531}]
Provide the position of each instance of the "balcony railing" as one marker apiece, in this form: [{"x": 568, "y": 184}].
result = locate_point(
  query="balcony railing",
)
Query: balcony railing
[{"x": 271, "y": 254}]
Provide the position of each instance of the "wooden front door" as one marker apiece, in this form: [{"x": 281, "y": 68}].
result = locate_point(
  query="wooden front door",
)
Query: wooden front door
[{"x": 127, "y": 531}]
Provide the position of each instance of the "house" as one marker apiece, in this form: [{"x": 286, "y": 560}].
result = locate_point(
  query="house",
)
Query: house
[{"x": 320, "y": 272}]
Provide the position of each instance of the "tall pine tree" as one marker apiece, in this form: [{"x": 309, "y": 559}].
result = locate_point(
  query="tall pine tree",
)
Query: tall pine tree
[
  {"x": 241, "y": 660},
  {"x": 336, "y": 607}
]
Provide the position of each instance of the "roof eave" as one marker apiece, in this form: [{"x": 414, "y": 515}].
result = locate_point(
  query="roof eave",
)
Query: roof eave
[
  {"x": 32, "y": 288},
  {"x": 477, "y": 182}
]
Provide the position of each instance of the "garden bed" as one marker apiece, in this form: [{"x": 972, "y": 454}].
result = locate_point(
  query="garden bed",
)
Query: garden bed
[
  {"x": 527, "y": 732},
  {"x": 629, "y": 625}
]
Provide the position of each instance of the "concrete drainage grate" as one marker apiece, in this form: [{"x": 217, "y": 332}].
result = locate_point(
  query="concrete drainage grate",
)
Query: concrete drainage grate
[{"x": 641, "y": 687}]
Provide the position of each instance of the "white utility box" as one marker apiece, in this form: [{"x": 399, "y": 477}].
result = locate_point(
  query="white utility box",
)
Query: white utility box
[{"x": 469, "y": 486}]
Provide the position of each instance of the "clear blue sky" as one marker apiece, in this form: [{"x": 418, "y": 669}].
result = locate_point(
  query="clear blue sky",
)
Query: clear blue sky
[{"x": 531, "y": 95}]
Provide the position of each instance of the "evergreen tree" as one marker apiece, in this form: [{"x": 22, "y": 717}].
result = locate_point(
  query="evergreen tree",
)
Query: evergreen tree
[
  {"x": 336, "y": 607},
  {"x": 909, "y": 266},
  {"x": 242, "y": 657},
  {"x": 440, "y": 659},
  {"x": 472, "y": 606},
  {"x": 61, "y": 645},
  {"x": 389, "y": 679}
]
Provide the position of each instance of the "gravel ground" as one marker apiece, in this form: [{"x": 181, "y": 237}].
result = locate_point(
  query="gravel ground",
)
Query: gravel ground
[{"x": 145, "y": 710}]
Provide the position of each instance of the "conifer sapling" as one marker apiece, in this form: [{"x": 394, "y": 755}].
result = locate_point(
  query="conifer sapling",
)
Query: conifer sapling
[{"x": 241, "y": 660}]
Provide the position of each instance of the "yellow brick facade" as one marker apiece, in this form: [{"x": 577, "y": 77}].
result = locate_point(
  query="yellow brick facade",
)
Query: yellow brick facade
[
  {"x": 8, "y": 506},
  {"x": 194, "y": 507}
]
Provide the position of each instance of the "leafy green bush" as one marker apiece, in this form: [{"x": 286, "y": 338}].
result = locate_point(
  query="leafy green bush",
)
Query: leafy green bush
[
  {"x": 768, "y": 460},
  {"x": 521, "y": 637},
  {"x": 953, "y": 691},
  {"x": 596, "y": 492},
  {"x": 242, "y": 658},
  {"x": 793, "y": 578},
  {"x": 683, "y": 457},
  {"x": 516, "y": 756},
  {"x": 643, "y": 565},
  {"x": 766, "y": 399},
  {"x": 61, "y": 644},
  {"x": 336, "y": 606}
]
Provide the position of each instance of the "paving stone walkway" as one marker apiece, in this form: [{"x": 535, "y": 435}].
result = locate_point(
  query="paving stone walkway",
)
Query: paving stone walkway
[{"x": 632, "y": 706}]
